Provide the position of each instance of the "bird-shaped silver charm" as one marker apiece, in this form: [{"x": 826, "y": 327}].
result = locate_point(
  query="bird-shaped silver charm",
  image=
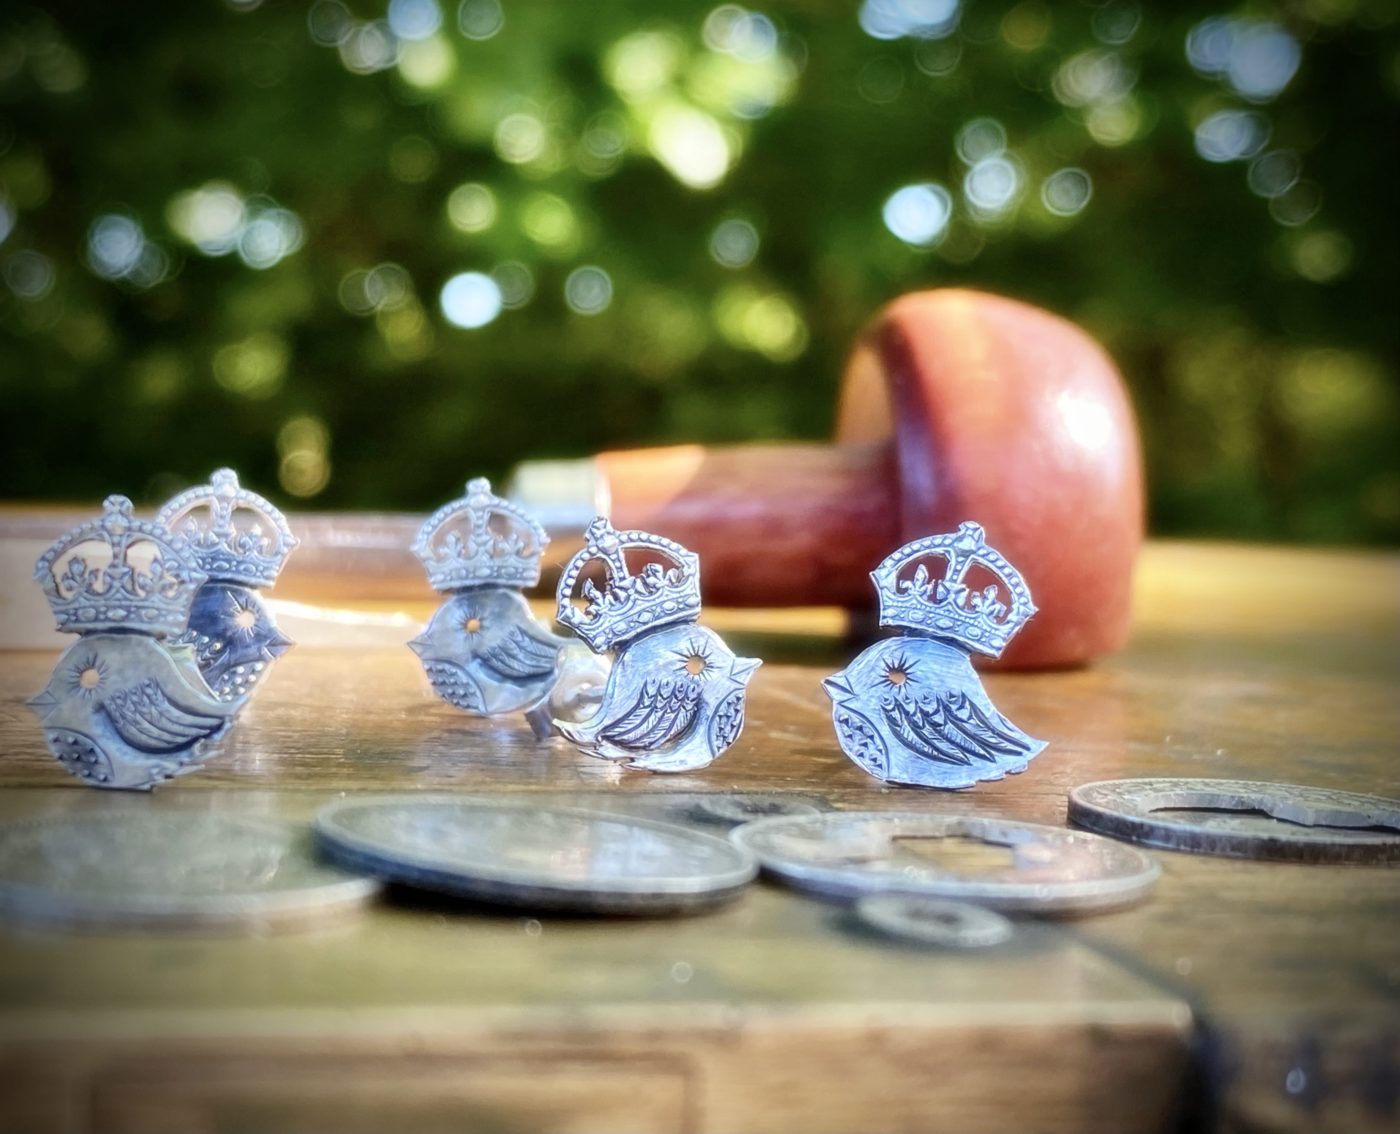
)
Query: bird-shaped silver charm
[
  {"x": 674, "y": 699},
  {"x": 911, "y": 709},
  {"x": 241, "y": 542},
  {"x": 122, "y": 709},
  {"x": 483, "y": 650}
]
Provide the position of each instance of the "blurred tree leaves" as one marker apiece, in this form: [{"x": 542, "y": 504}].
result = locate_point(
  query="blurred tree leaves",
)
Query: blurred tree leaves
[{"x": 228, "y": 226}]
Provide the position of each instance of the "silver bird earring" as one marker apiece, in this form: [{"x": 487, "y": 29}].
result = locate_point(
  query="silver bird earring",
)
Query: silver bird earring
[
  {"x": 911, "y": 709},
  {"x": 483, "y": 649},
  {"x": 674, "y": 699},
  {"x": 241, "y": 542},
  {"x": 122, "y": 709}
]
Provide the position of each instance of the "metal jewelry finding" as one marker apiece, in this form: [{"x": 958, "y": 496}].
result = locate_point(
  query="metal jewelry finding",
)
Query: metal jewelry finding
[
  {"x": 911, "y": 709},
  {"x": 241, "y": 542},
  {"x": 674, "y": 700},
  {"x": 122, "y": 708},
  {"x": 483, "y": 650}
]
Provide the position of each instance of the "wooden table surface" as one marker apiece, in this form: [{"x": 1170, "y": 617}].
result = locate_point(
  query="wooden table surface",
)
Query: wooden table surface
[{"x": 1241, "y": 997}]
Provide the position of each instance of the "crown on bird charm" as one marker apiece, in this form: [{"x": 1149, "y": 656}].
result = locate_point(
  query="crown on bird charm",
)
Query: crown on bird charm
[
  {"x": 628, "y": 604},
  {"x": 119, "y": 573},
  {"x": 241, "y": 542},
  {"x": 911, "y": 709},
  {"x": 123, "y": 708},
  {"x": 484, "y": 651},
  {"x": 674, "y": 699},
  {"x": 234, "y": 536},
  {"x": 481, "y": 540}
]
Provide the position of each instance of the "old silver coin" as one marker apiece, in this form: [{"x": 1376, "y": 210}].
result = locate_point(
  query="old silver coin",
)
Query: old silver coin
[
  {"x": 733, "y": 808},
  {"x": 1248, "y": 819},
  {"x": 519, "y": 853},
  {"x": 934, "y": 921},
  {"x": 848, "y": 855},
  {"x": 168, "y": 870}
]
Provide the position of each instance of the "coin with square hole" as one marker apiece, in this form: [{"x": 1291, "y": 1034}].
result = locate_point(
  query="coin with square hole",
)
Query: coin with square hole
[
  {"x": 995, "y": 863},
  {"x": 934, "y": 921},
  {"x": 1242, "y": 819}
]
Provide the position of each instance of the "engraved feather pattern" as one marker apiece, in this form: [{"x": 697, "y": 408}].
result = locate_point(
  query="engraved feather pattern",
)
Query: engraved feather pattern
[
  {"x": 949, "y": 728},
  {"x": 727, "y": 722},
  {"x": 663, "y": 712},
  {"x": 518, "y": 655},
  {"x": 145, "y": 717},
  {"x": 454, "y": 685}
]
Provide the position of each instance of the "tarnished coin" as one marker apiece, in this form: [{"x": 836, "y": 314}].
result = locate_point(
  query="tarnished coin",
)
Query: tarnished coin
[
  {"x": 934, "y": 921},
  {"x": 850, "y": 854},
  {"x": 519, "y": 853},
  {"x": 168, "y": 870},
  {"x": 746, "y": 806},
  {"x": 1242, "y": 819}
]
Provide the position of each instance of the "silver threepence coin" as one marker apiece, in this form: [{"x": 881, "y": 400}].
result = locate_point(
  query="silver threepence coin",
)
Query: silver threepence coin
[
  {"x": 1242, "y": 819},
  {"x": 732, "y": 808},
  {"x": 168, "y": 870},
  {"x": 847, "y": 855},
  {"x": 934, "y": 921},
  {"x": 521, "y": 854}
]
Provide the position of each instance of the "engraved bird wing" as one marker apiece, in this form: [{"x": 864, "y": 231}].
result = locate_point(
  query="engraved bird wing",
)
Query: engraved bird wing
[
  {"x": 950, "y": 728},
  {"x": 664, "y": 711},
  {"x": 146, "y": 717},
  {"x": 454, "y": 685},
  {"x": 519, "y": 655},
  {"x": 727, "y": 722}
]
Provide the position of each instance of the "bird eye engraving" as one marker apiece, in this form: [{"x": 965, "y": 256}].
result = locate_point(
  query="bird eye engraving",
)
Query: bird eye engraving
[
  {"x": 695, "y": 665},
  {"x": 245, "y": 619},
  {"x": 89, "y": 678},
  {"x": 472, "y": 625},
  {"x": 898, "y": 672}
]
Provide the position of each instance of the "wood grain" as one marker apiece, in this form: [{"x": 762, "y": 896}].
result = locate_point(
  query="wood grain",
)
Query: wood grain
[{"x": 1243, "y": 997}]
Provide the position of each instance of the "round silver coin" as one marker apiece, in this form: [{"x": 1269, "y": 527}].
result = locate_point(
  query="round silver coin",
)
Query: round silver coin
[
  {"x": 847, "y": 855},
  {"x": 934, "y": 921},
  {"x": 519, "y": 853},
  {"x": 168, "y": 870},
  {"x": 746, "y": 806},
  {"x": 1242, "y": 819}
]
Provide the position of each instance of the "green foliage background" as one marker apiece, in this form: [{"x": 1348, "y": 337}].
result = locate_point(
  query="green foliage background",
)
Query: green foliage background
[{"x": 1263, "y": 355}]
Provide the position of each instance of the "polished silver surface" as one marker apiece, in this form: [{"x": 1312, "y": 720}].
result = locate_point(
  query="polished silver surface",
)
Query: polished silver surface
[
  {"x": 737, "y": 807},
  {"x": 674, "y": 700},
  {"x": 934, "y": 921},
  {"x": 911, "y": 709},
  {"x": 168, "y": 870},
  {"x": 848, "y": 855},
  {"x": 122, "y": 709},
  {"x": 516, "y": 852},
  {"x": 483, "y": 649},
  {"x": 241, "y": 542},
  {"x": 1242, "y": 819}
]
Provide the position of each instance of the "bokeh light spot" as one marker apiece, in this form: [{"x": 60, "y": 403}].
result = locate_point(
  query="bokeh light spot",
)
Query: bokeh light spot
[
  {"x": 471, "y": 207},
  {"x": 1231, "y": 135},
  {"x": 480, "y": 19},
  {"x": 520, "y": 138},
  {"x": 29, "y": 274},
  {"x": 516, "y": 282},
  {"x": 918, "y": 19},
  {"x": 548, "y": 220},
  {"x": 414, "y": 19},
  {"x": 470, "y": 300},
  {"x": 734, "y": 243},
  {"x": 588, "y": 290},
  {"x": 980, "y": 139},
  {"x": 329, "y": 22},
  {"x": 919, "y": 214},
  {"x": 1274, "y": 173},
  {"x": 993, "y": 185},
  {"x": 253, "y": 367},
  {"x": 114, "y": 245},
  {"x": 1066, "y": 191},
  {"x": 690, "y": 145}
]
